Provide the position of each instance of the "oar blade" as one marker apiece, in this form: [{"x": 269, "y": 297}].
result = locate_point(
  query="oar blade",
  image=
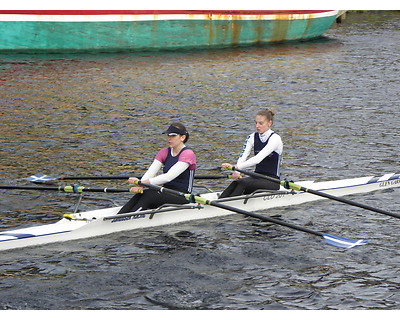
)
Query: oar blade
[
  {"x": 343, "y": 242},
  {"x": 41, "y": 178}
]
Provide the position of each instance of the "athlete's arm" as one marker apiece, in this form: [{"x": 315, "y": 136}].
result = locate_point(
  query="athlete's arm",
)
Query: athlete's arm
[
  {"x": 274, "y": 144},
  {"x": 172, "y": 173}
]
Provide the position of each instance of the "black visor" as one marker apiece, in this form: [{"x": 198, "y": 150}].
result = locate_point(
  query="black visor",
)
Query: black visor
[{"x": 173, "y": 129}]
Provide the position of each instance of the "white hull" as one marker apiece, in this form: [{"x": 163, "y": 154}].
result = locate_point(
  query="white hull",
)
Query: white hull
[{"x": 104, "y": 222}]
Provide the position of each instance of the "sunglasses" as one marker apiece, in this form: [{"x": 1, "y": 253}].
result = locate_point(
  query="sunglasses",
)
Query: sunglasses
[{"x": 172, "y": 134}]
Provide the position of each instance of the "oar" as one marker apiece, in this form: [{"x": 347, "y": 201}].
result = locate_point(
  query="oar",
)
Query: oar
[
  {"x": 68, "y": 189},
  {"x": 293, "y": 186},
  {"x": 43, "y": 178},
  {"x": 329, "y": 239}
]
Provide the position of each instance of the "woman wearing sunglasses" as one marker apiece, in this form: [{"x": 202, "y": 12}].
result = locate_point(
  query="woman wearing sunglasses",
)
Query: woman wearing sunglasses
[{"x": 178, "y": 163}]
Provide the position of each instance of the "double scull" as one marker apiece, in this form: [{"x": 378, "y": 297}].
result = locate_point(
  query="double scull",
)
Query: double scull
[{"x": 106, "y": 221}]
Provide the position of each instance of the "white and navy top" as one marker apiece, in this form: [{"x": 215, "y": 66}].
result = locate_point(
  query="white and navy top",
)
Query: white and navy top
[{"x": 268, "y": 148}]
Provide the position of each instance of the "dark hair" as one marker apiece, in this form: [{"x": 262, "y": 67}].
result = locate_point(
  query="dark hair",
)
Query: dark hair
[{"x": 183, "y": 128}]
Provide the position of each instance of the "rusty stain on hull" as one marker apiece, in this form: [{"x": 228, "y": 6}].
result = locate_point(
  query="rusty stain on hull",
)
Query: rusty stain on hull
[
  {"x": 280, "y": 30},
  {"x": 235, "y": 30}
]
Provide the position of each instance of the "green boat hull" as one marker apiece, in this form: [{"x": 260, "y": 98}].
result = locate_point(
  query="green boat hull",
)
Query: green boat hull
[{"x": 112, "y": 36}]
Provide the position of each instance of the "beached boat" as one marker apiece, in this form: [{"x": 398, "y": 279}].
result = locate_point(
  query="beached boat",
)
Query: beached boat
[
  {"x": 138, "y": 30},
  {"x": 105, "y": 221}
]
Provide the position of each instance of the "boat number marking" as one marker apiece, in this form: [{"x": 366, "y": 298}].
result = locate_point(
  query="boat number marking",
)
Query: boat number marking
[
  {"x": 389, "y": 183},
  {"x": 273, "y": 196},
  {"x": 136, "y": 216}
]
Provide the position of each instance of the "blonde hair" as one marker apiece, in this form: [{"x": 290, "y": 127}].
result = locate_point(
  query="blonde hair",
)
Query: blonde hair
[{"x": 267, "y": 113}]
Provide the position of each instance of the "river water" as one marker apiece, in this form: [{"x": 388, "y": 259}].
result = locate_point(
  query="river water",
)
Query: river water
[{"x": 337, "y": 102}]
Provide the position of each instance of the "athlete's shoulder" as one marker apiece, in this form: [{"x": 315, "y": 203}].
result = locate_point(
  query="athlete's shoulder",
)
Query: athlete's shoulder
[
  {"x": 250, "y": 137},
  {"x": 188, "y": 152},
  {"x": 275, "y": 135},
  {"x": 187, "y": 155},
  {"x": 162, "y": 154}
]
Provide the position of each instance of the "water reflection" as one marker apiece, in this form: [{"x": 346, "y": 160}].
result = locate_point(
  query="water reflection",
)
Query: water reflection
[{"x": 336, "y": 101}]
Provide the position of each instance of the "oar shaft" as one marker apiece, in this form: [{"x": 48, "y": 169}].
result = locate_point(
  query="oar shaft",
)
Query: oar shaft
[
  {"x": 93, "y": 178},
  {"x": 350, "y": 202},
  {"x": 329, "y": 239},
  {"x": 264, "y": 218},
  {"x": 68, "y": 189},
  {"x": 211, "y": 176},
  {"x": 258, "y": 175},
  {"x": 31, "y": 188},
  {"x": 291, "y": 185},
  {"x": 229, "y": 208},
  {"x": 197, "y": 176},
  {"x": 40, "y": 178}
]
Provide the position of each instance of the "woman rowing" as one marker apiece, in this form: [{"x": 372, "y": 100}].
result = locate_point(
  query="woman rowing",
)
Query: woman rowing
[
  {"x": 268, "y": 147},
  {"x": 179, "y": 164}
]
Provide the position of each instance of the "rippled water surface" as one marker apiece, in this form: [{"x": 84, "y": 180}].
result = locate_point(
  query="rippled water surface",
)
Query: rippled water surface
[{"x": 337, "y": 102}]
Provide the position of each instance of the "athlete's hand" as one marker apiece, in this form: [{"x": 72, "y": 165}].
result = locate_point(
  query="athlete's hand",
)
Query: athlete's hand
[
  {"x": 236, "y": 175},
  {"x": 132, "y": 180},
  {"x": 137, "y": 190},
  {"x": 226, "y": 165}
]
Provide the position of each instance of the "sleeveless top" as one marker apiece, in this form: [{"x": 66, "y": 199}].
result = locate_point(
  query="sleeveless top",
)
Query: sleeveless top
[
  {"x": 183, "y": 182},
  {"x": 269, "y": 165}
]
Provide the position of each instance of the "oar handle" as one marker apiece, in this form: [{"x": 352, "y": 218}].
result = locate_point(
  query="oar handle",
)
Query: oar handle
[{"x": 254, "y": 174}]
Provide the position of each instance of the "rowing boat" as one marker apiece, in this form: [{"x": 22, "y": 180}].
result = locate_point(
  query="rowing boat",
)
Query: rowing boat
[{"x": 106, "y": 221}]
